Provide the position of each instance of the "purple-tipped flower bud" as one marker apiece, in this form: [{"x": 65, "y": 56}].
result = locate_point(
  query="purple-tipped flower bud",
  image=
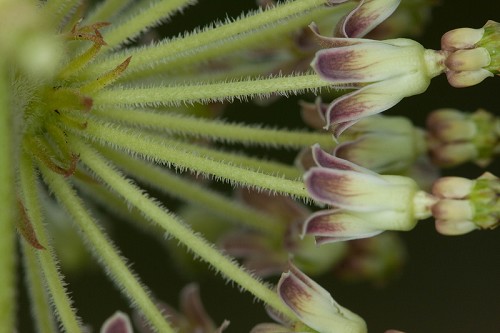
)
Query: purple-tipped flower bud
[
  {"x": 366, "y": 203},
  {"x": 119, "y": 322}
]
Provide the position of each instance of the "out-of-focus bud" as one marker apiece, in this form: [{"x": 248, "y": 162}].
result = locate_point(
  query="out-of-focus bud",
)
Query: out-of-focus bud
[
  {"x": 268, "y": 254},
  {"x": 191, "y": 317},
  {"x": 377, "y": 259},
  {"x": 473, "y": 54},
  {"x": 119, "y": 322},
  {"x": 465, "y": 205},
  {"x": 455, "y": 137},
  {"x": 27, "y": 39},
  {"x": 386, "y": 145}
]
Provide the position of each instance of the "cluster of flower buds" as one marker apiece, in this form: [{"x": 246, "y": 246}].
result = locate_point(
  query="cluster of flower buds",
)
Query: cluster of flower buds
[
  {"x": 383, "y": 72},
  {"x": 455, "y": 137},
  {"x": 465, "y": 205},
  {"x": 473, "y": 54}
]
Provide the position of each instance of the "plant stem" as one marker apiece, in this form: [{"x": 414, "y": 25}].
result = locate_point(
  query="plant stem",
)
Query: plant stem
[
  {"x": 143, "y": 19},
  {"x": 210, "y": 92},
  {"x": 151, "y": 54},
  {"x": 191, "y": 191},
  {"x": 47, "y": 262},
  {"x": 177, "y": 229},
  {"x": 266, "y": 39},
  {"x": 41, "y": 312},
  {"x": 105, "y": 253},
  {"x": 105, "y": 10},
  {"x": 7, "y": 202},
  {"x": 270, "y": 37},
  {"x": 136, "y": 142},
  {"x": 218, "y": 130},
  {"x": 247, "y": 162}
]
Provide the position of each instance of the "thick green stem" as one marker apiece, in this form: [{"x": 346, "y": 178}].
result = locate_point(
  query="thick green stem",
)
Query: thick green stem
[
  {"x": 153, "y": 148},
  {"x": 7, "y": 203},
  {"x": 212, "y": 92},
  {"x": 153, "y": 211},
  {"x": 105, "y": 252},
  {"x": 218, "y": 130},
  {"x": 47, "y": 262}
]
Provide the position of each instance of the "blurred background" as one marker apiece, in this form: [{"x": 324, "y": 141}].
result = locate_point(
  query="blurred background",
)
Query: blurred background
[{"x": 448, "y": 284}]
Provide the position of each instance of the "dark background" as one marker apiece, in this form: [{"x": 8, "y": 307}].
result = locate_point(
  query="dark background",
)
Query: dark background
[{"x": 449, "y": 284}]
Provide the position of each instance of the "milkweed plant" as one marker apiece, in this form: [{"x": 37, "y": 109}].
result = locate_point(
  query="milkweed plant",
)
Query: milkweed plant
[{"x": 102, "y": 117}]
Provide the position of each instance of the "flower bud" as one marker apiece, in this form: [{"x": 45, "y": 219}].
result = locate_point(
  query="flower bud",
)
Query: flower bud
[
  {"x": 377, "y": 259},
  {"x": 465, "y": 205},
  {"x": 387, "y": 145},
  {"x": 452, "y": 187},
  {"x": 472, "y": 54},
  {"x": 456, "y": 137},
  {"x": 366, "y": 204},
  {"x": 462, "y": 38}
]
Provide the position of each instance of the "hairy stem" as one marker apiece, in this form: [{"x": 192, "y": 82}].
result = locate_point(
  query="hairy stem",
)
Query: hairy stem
[
  {"x": 106, "y": 254},
  {"x": 270, "y": 37},
  {"x": 105, "y": 10},
  {"x": 136, "y": 142},
  {"x": 194, "y": 193},
  {"x": 210, "y": 92},
  {"x": 41, "y": 313},
  {"x": 218, "y": 130},
  {"x": 46, "y": 258},
  {"x": 151, "y": 54},
  {"x": 247, "y": 162},
  {"x": 179, "y": 230},
  {"x": 143, "y": 19}
]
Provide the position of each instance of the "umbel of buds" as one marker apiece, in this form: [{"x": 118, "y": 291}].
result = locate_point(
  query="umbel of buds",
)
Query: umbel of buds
[
  {"x": 472, "y": 55},
  {"x": 455, "y": 137},
  {"x": 465, "y": 205}
]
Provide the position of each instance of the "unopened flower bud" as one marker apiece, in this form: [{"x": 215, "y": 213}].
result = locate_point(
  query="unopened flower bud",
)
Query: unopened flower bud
[
  {"x": 387, "y": 145},
  {"x": 377, "y": 259},
  {"x": 467, "y": 60},
  {"x": 462, "y": 38},
  {"x": 452, "y": 187},
  {"x": 455, "y": 137},
  {"x": 465, "y": 205},
  {"x": 366, "y": 204},
  {"x": 472, "y": 54}
]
